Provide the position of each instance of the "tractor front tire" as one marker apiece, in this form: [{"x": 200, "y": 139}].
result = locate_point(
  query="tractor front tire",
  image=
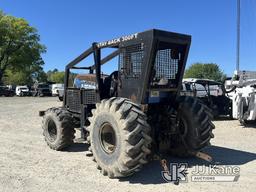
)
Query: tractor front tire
[
  {"x": 119, "y": 137},
  {"x": 58, "y": 128},
  {"x": 194, "y": 127}
]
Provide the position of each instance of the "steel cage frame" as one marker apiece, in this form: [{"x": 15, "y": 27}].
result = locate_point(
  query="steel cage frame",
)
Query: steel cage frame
[{"x": 150, "y": 38}]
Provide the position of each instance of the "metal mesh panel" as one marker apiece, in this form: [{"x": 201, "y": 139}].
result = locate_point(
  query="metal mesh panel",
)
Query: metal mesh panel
[
  {"x": 165, "y": 66},
  {"x": 73, "y": 100},
  {"x": 89, "y": 96},
  {"x": 130, "y": 61}
]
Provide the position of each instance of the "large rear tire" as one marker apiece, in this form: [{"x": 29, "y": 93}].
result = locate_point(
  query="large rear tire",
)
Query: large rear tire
[
  {"x": 58, "y": 128},
  {"x": 194, "y": 127},
  {"x": 119, "y": 137}
]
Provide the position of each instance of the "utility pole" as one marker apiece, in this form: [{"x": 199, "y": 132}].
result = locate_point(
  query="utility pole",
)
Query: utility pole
[{"x": 238, "y": 37}]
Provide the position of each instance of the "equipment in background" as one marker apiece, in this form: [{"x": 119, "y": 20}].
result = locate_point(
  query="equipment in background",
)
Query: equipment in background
[
  {"x": 241, "y": 90},
  {"x": 41, "y": 89},
  {"x": 212, "y": 93}
]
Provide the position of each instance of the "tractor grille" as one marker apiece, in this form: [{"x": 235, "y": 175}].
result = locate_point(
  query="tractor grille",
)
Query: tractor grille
[
  {"x": 130, "y": 61},
  {"x": 89, "y": 96},
  {"x": 165, "y": 66},
  {"x": 73, "y": 100}
]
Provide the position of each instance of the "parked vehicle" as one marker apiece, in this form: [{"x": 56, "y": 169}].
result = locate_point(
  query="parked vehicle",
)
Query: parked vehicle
[
  {"x": 242, "y": 92},
  {"x": 56, "y": 87},
  {"x": 41, "y": 89},
  {"x": 134, "y": 112},
  {"x": 212, "y": 93},
  {"x": 22, "y": 91},
  {"x": 4, "y": 91},
  {"x": 82, "y": 81},
  {"x": 60, "y": 93}
]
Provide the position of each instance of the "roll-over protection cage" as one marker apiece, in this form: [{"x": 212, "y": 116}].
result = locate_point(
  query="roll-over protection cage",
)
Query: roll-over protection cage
[{"x": 149, "y": 61}]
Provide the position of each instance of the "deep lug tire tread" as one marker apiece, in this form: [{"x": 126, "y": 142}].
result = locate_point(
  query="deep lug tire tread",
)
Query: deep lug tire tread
[
  {"x": 65, "y": 128},
  {"x": 200, "y": 128},
  {"x": 134, "y": 131}
]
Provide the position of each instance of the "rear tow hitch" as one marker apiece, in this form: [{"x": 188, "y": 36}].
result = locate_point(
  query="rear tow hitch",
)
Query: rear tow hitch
[{"x": 202, "y": 155}]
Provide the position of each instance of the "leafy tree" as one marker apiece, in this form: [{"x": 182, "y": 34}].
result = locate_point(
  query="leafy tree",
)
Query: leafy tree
[
  {"x": 55, "y": 70},
  {"x": 57, "y": 77},
  {"x": 24, "y": 77},
  {"x": 40, "y": 76},
  {"x": 17, "y": 78},
  {"x": 20, "y": 50},
  {"x": 205, "y": 71}
]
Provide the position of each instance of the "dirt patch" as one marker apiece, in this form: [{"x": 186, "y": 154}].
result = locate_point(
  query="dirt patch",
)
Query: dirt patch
[{"x": 28, "y": 164}]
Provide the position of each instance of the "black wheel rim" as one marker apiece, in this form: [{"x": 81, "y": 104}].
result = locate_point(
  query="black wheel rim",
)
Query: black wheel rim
[
  {"x": 107, "y": 138},
  {"x": 52, "y": 130}
]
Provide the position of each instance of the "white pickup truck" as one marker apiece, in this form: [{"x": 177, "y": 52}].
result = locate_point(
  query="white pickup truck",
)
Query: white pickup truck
[
  {"x": 60, "y": 93},
  {"x": 56, "y": 87},
  {"x": 22, "y": 91}
]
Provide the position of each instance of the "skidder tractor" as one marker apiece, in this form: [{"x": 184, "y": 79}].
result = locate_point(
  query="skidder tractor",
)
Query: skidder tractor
[{"x": 134, "y": 112}]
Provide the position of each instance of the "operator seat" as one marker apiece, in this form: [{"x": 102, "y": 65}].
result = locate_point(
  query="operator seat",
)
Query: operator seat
[{"x": 110, "y": 85}]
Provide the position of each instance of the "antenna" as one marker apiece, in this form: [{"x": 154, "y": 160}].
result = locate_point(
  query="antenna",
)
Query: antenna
[{"x": 238, "y": 37}]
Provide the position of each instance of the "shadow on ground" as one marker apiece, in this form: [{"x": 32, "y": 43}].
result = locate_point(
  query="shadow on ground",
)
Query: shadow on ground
[
  {"x": 151, "y": 173},
  {"x": 78, "y": 147},
  {"x": 223, "y": 118},
  {"x": 249, "y": 125}
]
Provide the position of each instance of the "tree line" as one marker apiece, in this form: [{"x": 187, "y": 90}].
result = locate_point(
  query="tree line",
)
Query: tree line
[
  {"x": 205, "y": 71},
  {"x": 20, "y": 54},
  {"x": 21, "y": 61},
  {"x": 20, "y": 50}
]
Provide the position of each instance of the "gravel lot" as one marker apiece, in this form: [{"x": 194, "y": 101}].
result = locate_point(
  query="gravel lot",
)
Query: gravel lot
[{"x": 27, "y": 164}]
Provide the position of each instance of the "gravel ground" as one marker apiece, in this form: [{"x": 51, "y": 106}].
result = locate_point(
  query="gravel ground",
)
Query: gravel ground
[{"x": 27, "y": 164}]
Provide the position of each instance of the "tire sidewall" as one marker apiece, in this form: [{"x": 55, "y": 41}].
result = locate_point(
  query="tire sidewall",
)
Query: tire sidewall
[
  {"x": 47, "y": 119},
  {"x": 102, "y": 156},
  {"x": 128, "y": 123}
]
